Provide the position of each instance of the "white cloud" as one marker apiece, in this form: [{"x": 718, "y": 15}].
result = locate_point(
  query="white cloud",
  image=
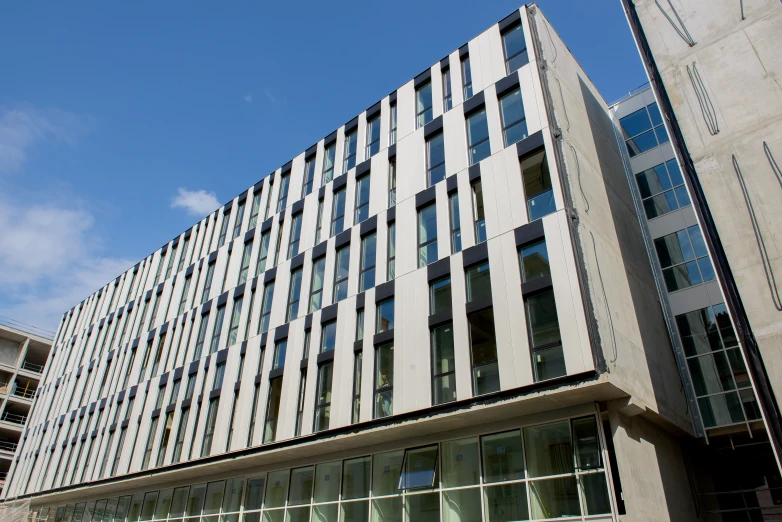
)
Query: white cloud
[
  {"x": 22, "y": 127},
  {"x": 269, "y": 95},
  {"x": 196, "y": 202},
  {"x": 248, "y": 97},
  {"x": 50, "y": 260}
]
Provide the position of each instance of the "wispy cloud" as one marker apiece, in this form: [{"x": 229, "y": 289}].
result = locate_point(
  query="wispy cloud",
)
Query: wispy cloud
[
  {"x": 50, "y": 259},
  {"x": 270, "y": 96},
  {"x": 248, "y": 97},
  {"x": 195, "y": 202},
  {"x": 22, "y": 127}
]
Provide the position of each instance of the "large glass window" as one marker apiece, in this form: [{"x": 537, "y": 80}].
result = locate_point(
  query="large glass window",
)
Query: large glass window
[
  {"x": 537, "y": 186},
  {"x": 266, "y": 307},
  {"x": 349, "y": 154},
  {"x": 427, "y": 235},
  {"x": 282, "y": 198},
  {"x": 368, "y": 254},
  {"x": 338, "y": 212},
  {"x": 300, "y": 402},
  {"x": 440, "y": 296},
  {"x": 418, "y": 468},
  {"x": 466, "y": 77},
  {"x": 423, "y": 105},
  {"x": 435, "y": 159},
  {"x": 373, "y": 137},
  {"x": 684, "y": 259},
  {"x": 384, "y": 381},
  {"x": 391, "y": 263},
  {"x": 263, "y": 253},
  {"x": 362, "y": 199},
  {"x": 483, "y": 350},
  {"x": 210, "y": 272},
  {"x": 221, "y": 237},
  {"x": 215, "y": 344},
  {"x": 323, "y": 397},
  {"x": 280, "y": 350},
  {"x": 357, "y": 371},
  {"x": 447, "y": 97},
  {"x": 514, "y": 122},
  {"x": 209, "y": 429},
  {"x": 443, "y": 365},
  {"x": 392, "y": 130},
  {"x": 533, "y": 261},
  {"x": 316, "y": 285},
  {"x": 294, "y": 293},
  {"x": 453, "y": 217},
  {"x": 319, "y": 222},
  {"x": 515, "y": 48},
  {"x": 716, "y": 364},
  {"x": 236, "y": 312},
  {"x": 328, "y": 336},
  {"x": 328, "y": 163},
  {"x": 341, "y": 273},
  {"x": 244, "y": 269},
  {"x": 392, "y": 183},
  {"x": 295, "y": 236},
  {"x": 548, "y": 359},
  {"x": 478, "y": 136},
  {"x": 662, "y": 189},
  {"x": 272, "y": 410},
  {"x": 255, "y": 210},
  {"x": 643, "y": 130},
  {"x": 478, "y": 282}
]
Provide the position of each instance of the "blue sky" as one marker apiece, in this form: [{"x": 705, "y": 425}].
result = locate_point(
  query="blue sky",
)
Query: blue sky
[{"x": 108, "y": 109}]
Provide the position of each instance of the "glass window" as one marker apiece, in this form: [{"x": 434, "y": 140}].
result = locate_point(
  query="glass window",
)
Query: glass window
[
  {"x": 277, "y": 489},
  {"x": 210, "y": 271},
  {"x": 503, "y": 457},
  {"x": 506, "y": 502},
  {"x": 282, "y": 197},
  {"x": 341, "y": 273},
  {"x": 302, "y": 480},
  {"x": 195, "y": 501},
  {"x": 537, "y": 186},
  {"x": 443, "y": 365},
  {"x": 254, "y": 210},
  {"x": 300, "y": 408},
  {"x": 385, "y": 316},
  {"x": 309, "y": 176},
  {"x": 478, "y": 136},
  {"x": 554, "y": 498},
  {"x": 232, "y": 499},
  {"x": 295, "y": 236},
  {"x": 548, "y": 359},
  {"x": 515, "y": 48},
  {"x": 423, "y": 105},
  {"x": 549, "y": 450},
  {"x": 316, "y": 285},
  {"x": 392, "y": 130},
  {"x": 427, "y": 235},
  {"x": 362, "y": 199},
  {"x": 384, "y": 381},
  {"x": 255, "y": 489},
  {"x": 327, "y": 482},
  {"x": 278, "y": 243},
  {"x": 373, "y": 137},
  {"x": 319, "y": 222},
  {"x": 466, "y": 77},
  {"x": 478, "y": 282},
  {"x": 453, "y": 217},
  {"x": 217, "y": 329},
  {"x": 214, "y": 499},
  {"x": 514, "y": 122},
  {"x": 391, "y": 183},
  {"x": 236, "y": 313},
  {"x": 272, "y": 413},
  {"x": 460, "y": 463},
  {"x": 328, "y": 336},
  {"x": 263, "y": 253},
  {"x": 349, "y": 155},
  {"x": 483, "y": 350},
  {"x": 684, "y": 259},
  {"x": 243, "y": 270},
  {"x": 328, "y": 163},
  {"x": 391, "y": 264},
  {"x": 368, "y": 254},
  {"x": 662, "y": 189},
  {"x": 478, "y": 211},
  {"x": 280, "y": 349},
  {"x": 357, "y": 372},
  {"x": 323, "y": 397},
  {"x": 386, "y": 469},
  {"x": 266, "y": 307},
  {"x": 355, "y": 478},
  {"x": 419, "y": 468},
  {"x": 338, "y": 212},
  {"x": 223, "y": 232},
  {"x": 643, "y": 130},
  {"x": 533, "y": 261},
  {"x": 201, "y": 336},
  {"x": 447, "y": 98},
  {"x": 294, "y": 293},
  {"x": 435, "y": 159},
  {"x": 586, "y": 442},
  {"x": 440, "y": 296}
]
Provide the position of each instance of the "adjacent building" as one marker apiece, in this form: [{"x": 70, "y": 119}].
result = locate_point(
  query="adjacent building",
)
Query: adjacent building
[
  {"x": 23, "y": 356},
  {"x": 443, "y": 310}
]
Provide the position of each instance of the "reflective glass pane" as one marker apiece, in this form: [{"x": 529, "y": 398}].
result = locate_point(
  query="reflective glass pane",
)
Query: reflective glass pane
[
  {"x": 554, "y": 498},
  {"x": 440, "y": 300},
  {"x": 587, "y": 443},
  {"x": 325, "y": 513},
  {"x": 385, "y": 473},
  {"x": 301, "y": 514},
  {"x": 542, "y": 319},
  {"x": 711, "y": 373},
  {"x": 163, "y": 504},
  {"x": 506, "y": 503},
  {"x": 419, "y": 468},
  {"x": 460, "y": 463},
  {"x": 462, "y": 505},
  {"x": 277, "y": 515},
  {"x": 721, "y": 410},
  {"x": 196, "y": 500},
  {"x": 214, "y": 497},
  {"x": 385, "y": 316},
  {"x": 635, "y": 123},
  {"x": 354, "y": 511},
  {"x": 596, "y": 501},
  {"x": 355, "y": 478},
  {"x": 387, "y": 509},
  {"x": 478, "y": 282},
  {"x": 277, "y": 489},
  {"x": 534, "y": 262},
  {"x": 422, "y": 508},
  {"x": 327, "y": 481},
  {"x": 179, "y": 502},
  {"x": 502, "y": 457},
  {"x": 548, "y": 449}
]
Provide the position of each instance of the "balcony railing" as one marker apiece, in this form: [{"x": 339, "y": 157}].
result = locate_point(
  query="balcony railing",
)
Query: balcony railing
[
  {"x": 24, "y": 392},
  {"x": 13, "y": 418},
  {"x": 32, "y": 367},
  {"x": 8, "y": 446}
]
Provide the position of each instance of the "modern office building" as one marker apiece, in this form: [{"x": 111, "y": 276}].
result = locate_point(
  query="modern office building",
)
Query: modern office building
[
  {"x": 715, "y": 71},
  {"x": 443, "y": 310},
  {"x": 23, "y": 355}
]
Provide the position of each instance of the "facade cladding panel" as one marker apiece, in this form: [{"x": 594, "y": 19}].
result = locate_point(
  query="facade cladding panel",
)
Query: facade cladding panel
[{"x": 532, "y": 406}]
